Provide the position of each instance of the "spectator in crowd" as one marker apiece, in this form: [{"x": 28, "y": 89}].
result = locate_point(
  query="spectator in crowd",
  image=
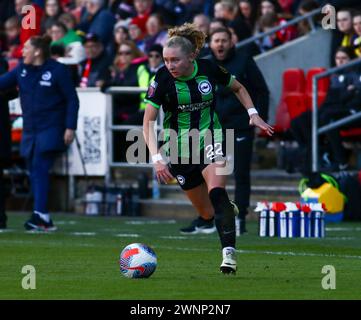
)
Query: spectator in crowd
[
  {"x": 267, "y": 6},
  {"x": 202, "y": 22},
  {"x": 269, "y": 21},
  {"x": 344, "y": 36},
  {"x": 356, "y": 20},
  {"x": 305, "y": 7},
  {"x": 137, "y": 35},
  {"x": 143, "y": 10},
  {"x": 123, "y": 10},
  {"x": 12, "y": 31},
  {"x": 121, "y": 34},
  {"x": 50, "y": 107},
  {"x": 123, "y": 72},
  {"x": 217, "y": 23},
  {"x": 156, "y": 31},
  {"x": 53, "y": 10},
  {"x": 344, "y": 25},
  {"x": 183, "y": 11},
  {"x": 93, "y": 69},
  {"x": 98, "y": 20},
  {"x": 287, "y": 6},
  {"x": 78, "y": 9},
  {"x": 74, "y": 50},
  {"x": 249, "y": 13},
  {"x": 69, "y": 21},
  {"x": 145, "y": 74},
  {"x": 343, "y": 98},
  {"x": 230, "y": 13}
]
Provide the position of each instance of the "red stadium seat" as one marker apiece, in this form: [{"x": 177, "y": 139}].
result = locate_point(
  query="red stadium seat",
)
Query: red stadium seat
[
  {"x": 323, "y": 85},
  {"x": 293, "y": 91}
]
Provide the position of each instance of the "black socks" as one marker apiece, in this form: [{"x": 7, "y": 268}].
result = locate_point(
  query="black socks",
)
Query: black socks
[{"x": 224, "y": 217}]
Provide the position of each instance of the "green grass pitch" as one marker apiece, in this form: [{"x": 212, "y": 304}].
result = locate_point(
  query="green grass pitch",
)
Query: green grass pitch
[{"x": 80, "y": 261}]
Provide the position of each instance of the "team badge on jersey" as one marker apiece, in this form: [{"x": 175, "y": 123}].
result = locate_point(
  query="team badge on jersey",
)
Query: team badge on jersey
[
  {"x": 23, "y": 73},
  {"x": 46, "y": 76},
  {"x": 151, "y": 90},
  {"x": 181, "y": 179},
  {"x": 204, "y": 87}
]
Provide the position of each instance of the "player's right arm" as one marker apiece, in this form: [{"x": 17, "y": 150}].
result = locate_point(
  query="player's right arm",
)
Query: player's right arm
[{"x": 160, "y": 166}]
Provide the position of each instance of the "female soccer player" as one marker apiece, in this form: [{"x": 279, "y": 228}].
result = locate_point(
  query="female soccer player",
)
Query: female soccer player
[
  {"x": 50, "y": 106},
  {"x": 185, "y": 88}
]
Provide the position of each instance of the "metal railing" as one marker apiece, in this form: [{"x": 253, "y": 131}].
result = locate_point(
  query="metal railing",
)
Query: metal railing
[
  {"x": 111, "y": 128},
  {"x": 337, "y": 124},
  {"x": 309, "y": 16}
]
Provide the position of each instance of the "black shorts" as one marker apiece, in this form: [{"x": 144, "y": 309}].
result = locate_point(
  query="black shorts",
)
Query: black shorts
[{"x": 190, "y": 175}]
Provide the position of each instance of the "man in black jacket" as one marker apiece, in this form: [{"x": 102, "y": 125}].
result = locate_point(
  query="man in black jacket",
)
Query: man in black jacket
[{"x": 233, "y": 116}]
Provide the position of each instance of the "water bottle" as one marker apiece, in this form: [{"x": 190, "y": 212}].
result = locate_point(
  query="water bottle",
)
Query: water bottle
[{"x": 262, "y": 208}]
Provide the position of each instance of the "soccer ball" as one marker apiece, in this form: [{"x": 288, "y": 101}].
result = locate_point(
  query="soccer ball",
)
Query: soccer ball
[{"x": 137, "y": 260}]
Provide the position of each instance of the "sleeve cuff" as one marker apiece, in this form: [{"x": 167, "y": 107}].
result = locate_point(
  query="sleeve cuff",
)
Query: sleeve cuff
[
  {"x": 152, "y": 103},
  {"x": 231, "y": 80}
]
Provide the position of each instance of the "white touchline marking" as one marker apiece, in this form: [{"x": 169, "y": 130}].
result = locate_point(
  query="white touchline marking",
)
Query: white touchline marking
[
  {"x": 278, "y": 253},
  {"x": 341, "y": 238},
  {"x": 136, "y": 222},
  {"x": 129, "y": 235},
  {"x": 65, "y": 222},
  {"x": 175, "y": 237},
  {"x": 83, "y": 233},
  {"x": 343, "y": 229},
  {"x": 6, "y": 230}
]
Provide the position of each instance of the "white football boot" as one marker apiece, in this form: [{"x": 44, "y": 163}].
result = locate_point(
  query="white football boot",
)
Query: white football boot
[{"x": 229, "y": 263}]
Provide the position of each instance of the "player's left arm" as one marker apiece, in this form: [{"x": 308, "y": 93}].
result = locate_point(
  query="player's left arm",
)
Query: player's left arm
[
  {"x": 68, "y": 90},
  {"x": 243, "y": 96}
]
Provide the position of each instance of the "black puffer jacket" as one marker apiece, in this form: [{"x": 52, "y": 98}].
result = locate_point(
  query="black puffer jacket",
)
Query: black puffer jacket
[{"x": 232, "y": 114}]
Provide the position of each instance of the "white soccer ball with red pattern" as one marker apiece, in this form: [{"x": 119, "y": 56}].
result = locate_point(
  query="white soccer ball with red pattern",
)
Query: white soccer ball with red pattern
[{"x": 137, "y": 260}]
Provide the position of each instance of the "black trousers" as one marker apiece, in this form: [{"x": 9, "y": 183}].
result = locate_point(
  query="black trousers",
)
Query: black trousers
[{"x": 243, "y": 149}]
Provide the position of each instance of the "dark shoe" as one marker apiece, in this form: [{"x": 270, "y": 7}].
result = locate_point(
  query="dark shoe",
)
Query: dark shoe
[
  {"x": 35, "y": 223},
  {"x": 200, "y": 225},
  {"x": 2, "y": 224}
]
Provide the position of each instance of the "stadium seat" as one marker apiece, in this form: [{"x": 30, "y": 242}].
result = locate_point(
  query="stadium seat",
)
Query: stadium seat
[
  {"x": 293, "y": 91},
  {"x": 323, "y": 85}
]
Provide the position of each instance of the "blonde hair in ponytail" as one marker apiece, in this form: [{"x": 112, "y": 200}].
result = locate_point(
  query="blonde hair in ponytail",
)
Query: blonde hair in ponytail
[{"x": 186, "y": 36}]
